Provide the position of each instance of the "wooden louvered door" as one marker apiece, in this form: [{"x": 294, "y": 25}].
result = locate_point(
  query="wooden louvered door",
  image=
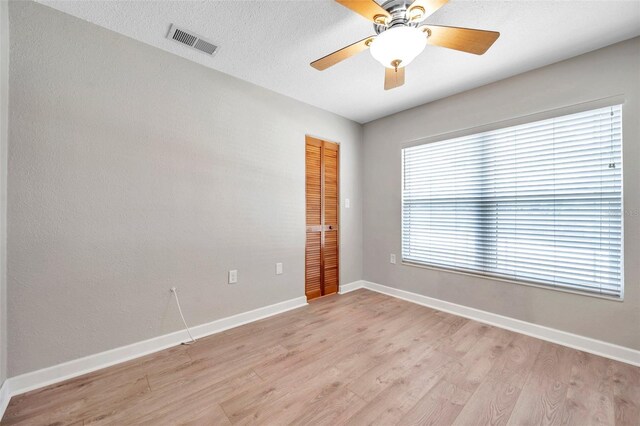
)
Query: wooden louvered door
[
  {"x": 323, "y": 203},
  {"x": 313, "y": 252},
  {"x": 331, "y": 206}
]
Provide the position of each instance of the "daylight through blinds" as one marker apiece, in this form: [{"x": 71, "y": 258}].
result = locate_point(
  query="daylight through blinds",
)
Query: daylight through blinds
[{"x": 539, "y": 202}]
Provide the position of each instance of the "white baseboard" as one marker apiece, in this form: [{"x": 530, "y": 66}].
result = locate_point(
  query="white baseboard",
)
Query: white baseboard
[
  {"x": 586, "y": 344},
  {"x": 5, "y": 396},
  {"x": 46, "y": 376},
  {"x": 57, "y": 373},
  {"x": 346, "y": 288}
]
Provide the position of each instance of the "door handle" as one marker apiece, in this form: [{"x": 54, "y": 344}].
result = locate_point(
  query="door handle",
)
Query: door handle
[{"x": 320, "y": 228}]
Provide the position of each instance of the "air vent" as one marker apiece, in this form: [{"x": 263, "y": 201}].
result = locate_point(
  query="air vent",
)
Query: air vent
[
  {"x": 185, "y": 38},
  {"x": 192, "y": 40},
  {"x": 205, "y": 46}
]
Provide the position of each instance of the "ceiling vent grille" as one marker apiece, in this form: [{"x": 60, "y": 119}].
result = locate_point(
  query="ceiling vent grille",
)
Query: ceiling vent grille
[{"x": 189, "y": 38}]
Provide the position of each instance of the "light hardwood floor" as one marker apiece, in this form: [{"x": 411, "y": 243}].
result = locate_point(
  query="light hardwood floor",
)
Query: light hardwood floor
[{"x": 356, "y": 359}]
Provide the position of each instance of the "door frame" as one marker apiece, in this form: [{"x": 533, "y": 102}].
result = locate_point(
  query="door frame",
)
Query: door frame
[{"x": 322, "y": 213}]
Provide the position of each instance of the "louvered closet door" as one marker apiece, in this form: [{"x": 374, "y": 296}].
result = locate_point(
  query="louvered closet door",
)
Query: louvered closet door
[
  {"x": 313, "y": 271},
  {"x": 323, "y": 202},
  {"x": 331, "y": 204}
]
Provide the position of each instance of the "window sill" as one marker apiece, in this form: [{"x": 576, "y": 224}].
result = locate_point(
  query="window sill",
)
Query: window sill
[{"x": 506, "y": 280}]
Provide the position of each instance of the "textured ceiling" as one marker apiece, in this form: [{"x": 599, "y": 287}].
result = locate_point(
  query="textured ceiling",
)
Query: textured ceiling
[{"x": 270, "y": 43}]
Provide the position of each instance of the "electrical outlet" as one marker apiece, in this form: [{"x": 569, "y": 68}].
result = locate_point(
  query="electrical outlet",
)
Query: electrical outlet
[
  {"x": 233, "y": 276},
  {"x": 278, "y": 268},
  {"x": 347, "y": 203},
  {"x": 392, "y": 258}
]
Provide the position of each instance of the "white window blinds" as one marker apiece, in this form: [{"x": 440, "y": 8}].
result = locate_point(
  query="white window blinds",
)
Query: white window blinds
[{"x": 539, "y": 202}]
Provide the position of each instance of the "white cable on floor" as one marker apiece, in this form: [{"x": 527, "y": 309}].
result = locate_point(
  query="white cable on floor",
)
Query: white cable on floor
[{"x": 175, "y": 292}]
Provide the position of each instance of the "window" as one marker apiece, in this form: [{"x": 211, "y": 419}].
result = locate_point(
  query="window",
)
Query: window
[{"x": 538, "y": 203}]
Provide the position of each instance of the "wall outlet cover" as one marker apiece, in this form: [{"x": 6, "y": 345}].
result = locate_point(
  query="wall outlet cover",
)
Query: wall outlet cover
[{"x": 233, "y": 276}]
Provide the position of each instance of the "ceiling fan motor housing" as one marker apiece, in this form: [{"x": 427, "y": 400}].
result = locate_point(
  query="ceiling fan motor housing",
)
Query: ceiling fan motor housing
[{"x": 398, "y": 11}]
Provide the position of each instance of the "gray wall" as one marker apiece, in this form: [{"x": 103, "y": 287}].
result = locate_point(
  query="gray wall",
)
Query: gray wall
[
  {"x": 4, "y": 113},
  {"x": 132, "y": 170},
  {"x": 611, "y": 71}
]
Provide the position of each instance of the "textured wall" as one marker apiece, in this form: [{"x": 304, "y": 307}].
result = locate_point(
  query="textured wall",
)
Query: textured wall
[
  {"x": 611, "y": 71},
  {"x": 132, "y": 170},
  {"x": 4, "y": 113}
]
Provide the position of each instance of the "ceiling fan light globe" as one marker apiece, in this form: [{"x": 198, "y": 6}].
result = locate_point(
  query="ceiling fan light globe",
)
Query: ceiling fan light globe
[{"x": 398, "y": 44}]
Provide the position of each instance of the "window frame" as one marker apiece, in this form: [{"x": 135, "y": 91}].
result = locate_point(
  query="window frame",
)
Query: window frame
[{"x": 520, "y": 120}]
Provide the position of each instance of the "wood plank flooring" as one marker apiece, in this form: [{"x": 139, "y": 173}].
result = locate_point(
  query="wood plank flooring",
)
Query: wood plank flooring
[{"x": 360, "y": 358}]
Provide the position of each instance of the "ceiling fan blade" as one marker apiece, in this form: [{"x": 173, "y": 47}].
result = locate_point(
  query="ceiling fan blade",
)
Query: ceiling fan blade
[
  {"x": 342, "y": 54},
  {"x": 367, "y": 8},
  {"x": 393, "y": 78},
  {"x": 463, "y": 39},
  {"x": 420, "y": 10}
]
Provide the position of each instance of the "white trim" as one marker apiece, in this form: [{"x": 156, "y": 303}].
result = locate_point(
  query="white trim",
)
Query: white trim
[
  {"x": 522, "y": 119},
  {"x": 46, "y": 376},
  {"x": 355, "y": 285},
  {"x": 57, "y": 373},
  {"x": 5, "y": 396},
  {"x": 586, "y": 344},
  {"x": 477, "y": 274}
]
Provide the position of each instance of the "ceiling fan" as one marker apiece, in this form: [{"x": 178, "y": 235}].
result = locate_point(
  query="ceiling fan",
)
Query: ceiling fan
[{"x": 401, "y": 36}]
